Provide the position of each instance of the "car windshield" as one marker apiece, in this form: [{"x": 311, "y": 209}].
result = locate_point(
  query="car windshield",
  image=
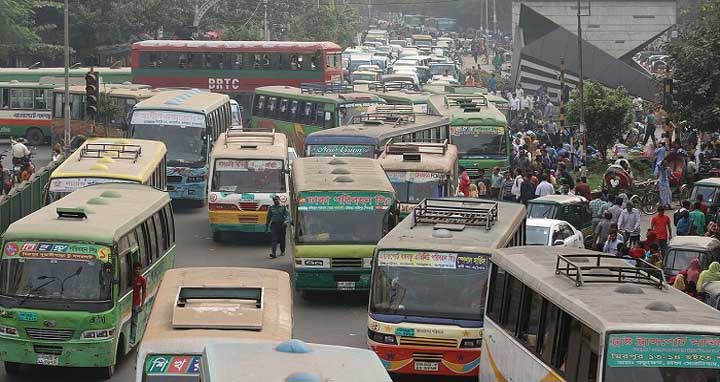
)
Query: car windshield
[
  {"x": 536, "y": 235},
  {"x": 248, "y": 175},
  {"x": 679, "y": 259},
  {"x": 541, "y": 210},
  {"x": 53, "y": 279},
  {"x": 708, "y": 193},
  {"x": 441, "y": 70},
  {"x": 478, "y": 141},
  {"x": 666, "y": 357},
  {"x": 364, "y": 77},
  {"x": 440, "y": 285},
  {"x": 325, "y": 227},
  {"x": 185, "y": 145},
  {"x": 413, "y": 187}
]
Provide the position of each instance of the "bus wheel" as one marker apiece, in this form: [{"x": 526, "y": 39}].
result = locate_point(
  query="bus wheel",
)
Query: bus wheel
[
  {"x": 12, "y": 368},
  {"x": 107, "y": 372},
  {"x": 217, "y": 236},
  {"x": 35, "y": 137}
]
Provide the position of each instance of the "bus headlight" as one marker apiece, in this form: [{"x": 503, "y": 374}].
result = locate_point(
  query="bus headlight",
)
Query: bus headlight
[
  {"x": 8, "y": 331},
  {"x": 98, "y": 334},
  {"x": 471, "y": 343},
  {"x": 382, "y": 338},
  {"x": 367, "y": 262},
  {"x": 312, "y": 263}
]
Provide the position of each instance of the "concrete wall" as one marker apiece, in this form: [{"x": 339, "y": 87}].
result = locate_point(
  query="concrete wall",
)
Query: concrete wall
[{"x": 617, "y": 27}]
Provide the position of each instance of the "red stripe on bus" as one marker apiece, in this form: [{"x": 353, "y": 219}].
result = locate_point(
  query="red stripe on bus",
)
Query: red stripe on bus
[{"x": 25, "y": 122}]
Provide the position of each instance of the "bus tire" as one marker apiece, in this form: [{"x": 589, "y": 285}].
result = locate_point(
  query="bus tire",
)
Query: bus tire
[
  {"x": 35, "y": 136},
  {"x": 107, "y": 372},
  {"x": 12, "y": 368},
  {"x": 217, "y": 236}
]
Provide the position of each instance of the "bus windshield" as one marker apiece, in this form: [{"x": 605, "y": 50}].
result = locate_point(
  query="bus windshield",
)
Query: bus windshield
[
  {"x": 646, "y": 357},
  {"x": 430, "y": 284},
  {"x": 248, "y": 175},
  {"x": 183, "y": 134},
  {"x": 55, "y": 275},
  {"x": 321, "y": 217},
  {"x": 479, "y": 141},
  {"x": 413, "y": 187}
]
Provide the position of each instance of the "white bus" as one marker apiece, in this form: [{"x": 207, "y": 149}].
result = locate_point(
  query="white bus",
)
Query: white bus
[{"x": 573, "y": 315}]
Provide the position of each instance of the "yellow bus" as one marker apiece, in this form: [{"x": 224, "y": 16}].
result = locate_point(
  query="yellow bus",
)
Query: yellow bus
[
  {"x": 195, "y": 307},
  {"x": 247, "y": 168},
  {"x": 110, "y": 160},
  {"x": 429, "y": 277}
]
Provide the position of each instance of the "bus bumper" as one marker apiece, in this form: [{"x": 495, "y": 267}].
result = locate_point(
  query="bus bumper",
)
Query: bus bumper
[
  {"x": 250, "y": 228},
  {"x": 237, "y": 221},
  {"x": 428, "y": 360},
  {"x": 188, "y": 191},
  {"x": 333, "y": 279},
  {"x": 67, "y": 353}
]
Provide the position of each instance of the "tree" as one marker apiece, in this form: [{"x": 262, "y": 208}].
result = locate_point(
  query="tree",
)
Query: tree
[
  {"x": 694, "y": 57},
  {"x": 15, "y": 20},
  {"x": 607, "y": 114}
]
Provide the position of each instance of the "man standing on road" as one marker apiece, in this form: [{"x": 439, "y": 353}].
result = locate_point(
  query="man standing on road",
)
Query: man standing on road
[
  {"x": 602, "y": 230},
  {"x": 697, "y": 221},
  {"x": 544, "y": 188},
  {"x": 650, "y": 128},
  {"x": 616, "y": 210},
  {"x": 278, "y": 218},
  {"x": 629, "y": 224},
  {"x": 660, "y": 224}
]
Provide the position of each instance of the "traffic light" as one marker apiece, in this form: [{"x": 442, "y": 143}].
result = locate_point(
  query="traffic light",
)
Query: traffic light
[
  {"x": 668, "y": 94},
  {"x": 92, "y": 87}
]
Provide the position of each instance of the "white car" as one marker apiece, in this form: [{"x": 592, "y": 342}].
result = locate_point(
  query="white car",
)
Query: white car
[{"x": 552, "y": 232}]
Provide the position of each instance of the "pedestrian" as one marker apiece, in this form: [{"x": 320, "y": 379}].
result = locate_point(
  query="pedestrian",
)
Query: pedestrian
[
  {"x": 598, "y": 207},
  {"x": 139, "y": 285},
  {"x": 650, "y": 128},
  {"x": 697, "y": 221},
  {"x": 474, "y": 193},
  {"x": 583, "y": 188},
  {"x": 611, "y": 244},
  {"x": 660, "y": 153},
  {"x": 679, "y": 283},
  {"x": 660, "y": 224},
  {"x": 629, "y": 224},
  {"x": 655, "y": 256},
  {"x": 464, "y": 183},
  {"x": 699, "y": 198},
  {"x": 544, "y": 188},
  {"x": 517, "y": 183},
  {"x": 693, "y": 274},
  {"x": 527, "y": 189},
  {"x": 681, "y": 218},
  {"x": 616, "y": 210},
  {"x": 492, "y": 83},
  {"x": 277, "y": 221},
  {"x": 707, "y": 276},
  {"x": 496, "y": 182},
  {"x": 565, "y": 174},
  {"x": 637, "y": 252},
  {"x": 506, "y": 193},
  {"x": 602, "y": 230}
]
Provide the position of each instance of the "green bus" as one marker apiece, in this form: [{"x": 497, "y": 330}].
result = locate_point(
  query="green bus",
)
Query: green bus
[
  {"x": 297, "y": 112},
  {"x": 66, "y": 276},
  {"x": 57, "y": 75},
  {"x": 398, "y": 93},
  {"x": 328, "y": 193},
  {"x": 25, "y": 110},
  {"x": 478, "y": 129}
]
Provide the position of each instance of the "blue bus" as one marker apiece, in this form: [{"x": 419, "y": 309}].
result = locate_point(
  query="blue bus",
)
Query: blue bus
[{"x": 188, "y": 122}]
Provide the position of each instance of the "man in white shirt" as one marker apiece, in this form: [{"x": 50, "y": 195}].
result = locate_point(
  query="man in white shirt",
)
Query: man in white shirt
[
  {"x": 20, "y": 152},
  {"x": 519, "y": 91},
  {"x": 517, "y": 184},
  {"x": 544, "y": 188},
  {"x": 629, "y": 223}
]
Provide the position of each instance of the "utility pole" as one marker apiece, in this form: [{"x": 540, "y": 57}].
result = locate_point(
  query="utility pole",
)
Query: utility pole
[
  {"x": 369, "y": 10},
  {"x": 266, "y": 30},
  {"x": 581, "y": 91},
  {"x": 487, "y": 16},
  {"x": 66, "y": 96},
  {"x": 495, "y": 30}
]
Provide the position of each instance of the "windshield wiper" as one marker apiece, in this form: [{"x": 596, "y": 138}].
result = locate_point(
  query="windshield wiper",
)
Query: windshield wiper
[
  {"x": 30, "y": 293},
  {"x": 62, "y": 284}
]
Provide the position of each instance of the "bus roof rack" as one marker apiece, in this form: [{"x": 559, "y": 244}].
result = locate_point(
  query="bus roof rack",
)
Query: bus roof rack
[
  {"x": 590, "y": 268},
  {"x": 112, "y": 150},
  {"x": 397, "y": 114},
  {"x": 326, "y": 87},
  {"x": 390, "y": 86},
  {"x": 253, "y": 137},
  {"x": 446, "y": 212},
  {"x": 466, "y": 101},
  {"x": 402, "y": 148}
]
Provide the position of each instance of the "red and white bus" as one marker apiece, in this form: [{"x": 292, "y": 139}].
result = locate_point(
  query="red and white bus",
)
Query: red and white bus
[{"x": 234, "y": 67}]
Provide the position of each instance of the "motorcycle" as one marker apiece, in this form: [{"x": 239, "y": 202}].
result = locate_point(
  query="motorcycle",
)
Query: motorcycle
[
  {"x": 6, "y": 177},
  {"x": 22, "y": 169}
]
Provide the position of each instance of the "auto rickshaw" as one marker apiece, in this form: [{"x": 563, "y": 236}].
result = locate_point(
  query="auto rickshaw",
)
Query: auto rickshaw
[
  {"x": 683, "y": 249},
  {"x": 570, "y": 208},
  {"x": 710, "y": 190}
]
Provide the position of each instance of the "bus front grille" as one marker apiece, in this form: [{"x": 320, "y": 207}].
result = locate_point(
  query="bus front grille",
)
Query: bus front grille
[
  {"x": 432, "y": 342},
  {"x": 245, "y": 219},
  {"x": 346, "y": 262},
  {"x": 49, "y": 334},
  {"x": 248, "y": 206},
  {"x": 174, "y": 179},
  {"x": 43, "y": 349},
  {"x": 427, "y": 357}
]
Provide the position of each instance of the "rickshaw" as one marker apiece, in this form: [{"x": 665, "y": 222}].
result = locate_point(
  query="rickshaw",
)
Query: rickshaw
[
  {"x": 710, "y": 190},
  {"x": 680, "y": 189}
]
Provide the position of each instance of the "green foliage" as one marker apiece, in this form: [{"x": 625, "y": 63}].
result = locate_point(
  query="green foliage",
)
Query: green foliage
[
  {"x": 338, "y": 24},
  {"x": 694, "y": 57},
  {"x": 606, "y": 112},
  {"x": 15, "y": 20}
]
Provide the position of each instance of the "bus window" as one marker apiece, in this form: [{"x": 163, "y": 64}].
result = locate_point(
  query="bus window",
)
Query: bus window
[
  {"x": 77, "y": 106},
  {"x": 320, "y": 115},
  {"x": 41, "y": 97},
  {"x": 292, "y": 115},
  {"x": 160, "y": 232},
  {"x": 58, "y": 105},
  {"x": 171, "y": 224},
  {"x": 260, "y": 105},
  {"x": 512, "y": 304},
  {"x": 530, "y": 319},
  {"x": 144, "y": 250},
  {"x": 306, "y": 115},
  {"x": 271, "y": 107},
  {"x": 126, "y": 272},
  {"x": 494, "y": 306},
  {"x": 282, "y": 108},
  {"x": 21, "y": 98}
]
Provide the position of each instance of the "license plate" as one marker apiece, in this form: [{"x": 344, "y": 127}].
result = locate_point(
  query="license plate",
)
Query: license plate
[
  {"x": 426, "y": 366},
  {"x": 48, "y": 359},
  {"x": 346, "y": 285}
]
